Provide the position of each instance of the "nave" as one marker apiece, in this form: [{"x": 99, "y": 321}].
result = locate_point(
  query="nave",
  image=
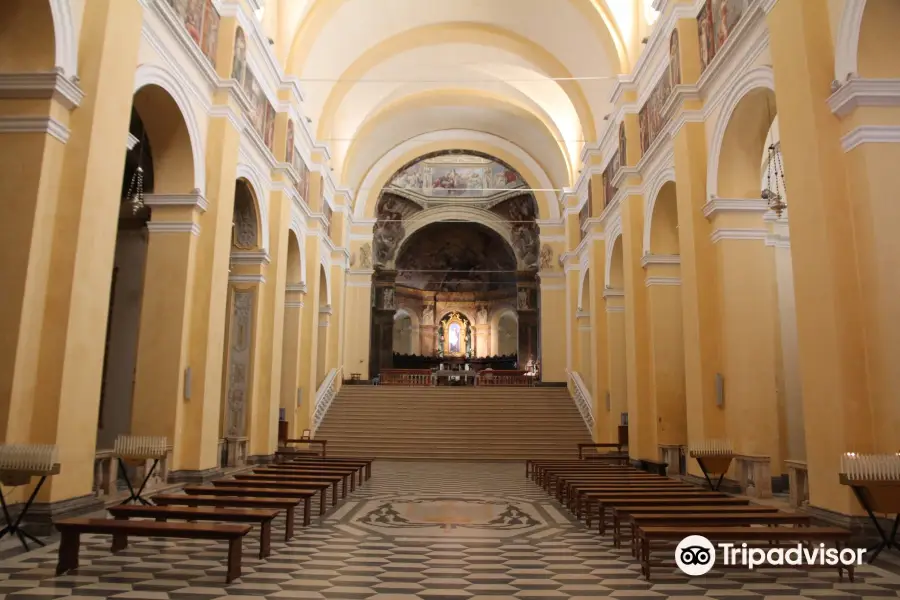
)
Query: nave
[{"x": 417, "y": 530}]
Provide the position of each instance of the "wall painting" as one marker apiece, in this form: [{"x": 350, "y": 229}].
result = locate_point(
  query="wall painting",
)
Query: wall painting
[
  {"x": 201, "y": 20},
  {"x": 716, "y": 22}
]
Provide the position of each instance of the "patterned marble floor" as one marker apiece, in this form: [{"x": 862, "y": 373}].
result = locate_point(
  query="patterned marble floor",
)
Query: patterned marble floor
[{"x": 416, "y": 531}]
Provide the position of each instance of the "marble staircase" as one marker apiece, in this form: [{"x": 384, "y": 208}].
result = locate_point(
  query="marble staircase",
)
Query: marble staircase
[{"x": 453, "y": 423}]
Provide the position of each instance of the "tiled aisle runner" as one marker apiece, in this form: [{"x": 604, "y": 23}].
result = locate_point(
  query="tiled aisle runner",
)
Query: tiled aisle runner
[{"x": 415, "y": 531}]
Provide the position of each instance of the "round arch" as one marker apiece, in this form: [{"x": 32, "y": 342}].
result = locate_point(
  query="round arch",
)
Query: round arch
[
  {"x": 255, "y": 180},
  {"x": 414, "y": 341},
  {"x": 485, "y": 218},
  {"x": 846, "y": 56},
  {"x": 294, "y": 274},
  {"x": 585, "y": 278},
  {"x": 301, "y": 243},
  {"x": 474, "y": 141},
  {"x": 758, "y": 78},
  {"x": 877, "y": 53},
  {"x": 166, "y": 138},
  {"x": 66, "y": 48},
  {"x": 148, "y": 74},
  {"x": 499, "y": 313},
  {"x": 325, "y": 275},
  {"x": 654, "y": 189},
  {"x": 613, "y": 242}
]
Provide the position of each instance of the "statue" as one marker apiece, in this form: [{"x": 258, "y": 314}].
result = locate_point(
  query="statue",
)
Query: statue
[
  {"x": 428, "y": 315},
  {"x": 546, "y": 257},
  {"x": 388, "y": 299},
  {"x": 523, "y": 299},
  {"x": 481, "y": 315},
  {"x": 365, "y": 256}
]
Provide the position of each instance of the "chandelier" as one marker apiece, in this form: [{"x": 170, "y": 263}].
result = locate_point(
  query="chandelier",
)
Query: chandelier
[
  {"x": 135, "y": 196},
  {"x": 775, "y": 189}
]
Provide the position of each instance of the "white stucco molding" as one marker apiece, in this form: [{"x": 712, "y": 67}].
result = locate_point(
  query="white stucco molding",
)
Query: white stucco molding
[
  {"x": 66, "y": 39},
  {"x": 47, "y": 125},
  {"x": 864, "y": 92},
  {"x": 846, "y": 51},
  {"x": 871, "y": 134},
  {"x": 654, "y": 187}
]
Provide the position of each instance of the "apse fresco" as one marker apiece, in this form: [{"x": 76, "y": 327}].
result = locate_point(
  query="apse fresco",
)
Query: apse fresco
[{"x": 457, "y": 177}]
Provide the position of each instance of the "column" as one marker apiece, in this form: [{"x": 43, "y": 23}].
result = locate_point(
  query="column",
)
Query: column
[
  {"x": 642, "y": 417},
  {"x": 358, "y": 322},
  {"x": 603, "y": 415},
  {"x": 197, "y": 453},
  {"x": 585, "y": 359},
  {"x": 664, "y": 313},
  {"x": 165, "y": 321},
  {"x": 541, "y": 337},
  {"x": 71, "y": 257},
  {"x": 290, "y": 355},
  {"x": 837, "y": 394},
  {"x": 309, "y": 335},
  {"x": 700, "y": 309},
  {"x": 322, "y": 344},
  {"x": 384, "y": 306},
  {"x": 338, "y": 276},
  {"x": 616, "y": 368}
]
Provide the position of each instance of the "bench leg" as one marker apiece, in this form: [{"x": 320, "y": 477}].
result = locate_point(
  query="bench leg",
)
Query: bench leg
[
  {"x": 353, "y": 482},
  {"x": 265, "y": 538},
  {"x": 69, "y": 544},
  {"x": 234, "y": 560},
  {"x": 645, "y": 556},
  {"x": 119, "y": 542},
  {"x": 289, "y": 521},
  {"x": 322, "y": 502},
  {"x": 307, "y": 511},
  {"x": 344, "y": 487},
  {"x": 616, "y": 527},
  {"x": 334, "y": 494}
]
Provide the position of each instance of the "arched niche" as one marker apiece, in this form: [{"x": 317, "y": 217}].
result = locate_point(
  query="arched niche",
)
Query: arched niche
[
  {"x": 27, "y": 37},
  {"x": 664, "y": 222},
  {"x": 166, "y": 131},
  {"x": 507, "y": 334},
  {"x": 878, "y": 54},
  {"x": 406, "y": 332},
  {"x": 246, "y": 229},
  {"x": 745, "y": 140}
]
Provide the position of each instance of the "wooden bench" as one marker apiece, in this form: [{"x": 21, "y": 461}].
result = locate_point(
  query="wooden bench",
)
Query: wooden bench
[
  {"x": 366, "y": 460},
  {"x": 533, "y": 468},
  {"x": 288, "y": 505},
  {"x": 621, "y": 514},
  {"x": 765, "y": 535},
  {"x": 303, "y": 467},
  {"x": 602, "y": 499},
  {"x": 274, "y": 484},
  {"x": 567, "y": 486},
  {"x": 705, "y": 519},
  {"x": 657, "y": 467},
  {"x": 261, "y": 517},
  {"x": 575, "y": 504},
  {"x": 253, "y": 492},
  {"x": 348, "y": 471},
  {"x": 302, "y": 478},
  {"x": 70, "y": 531}
]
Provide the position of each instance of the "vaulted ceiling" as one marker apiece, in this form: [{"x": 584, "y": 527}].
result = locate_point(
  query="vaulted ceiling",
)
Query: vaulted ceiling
[{"x": 534, "y": 74}]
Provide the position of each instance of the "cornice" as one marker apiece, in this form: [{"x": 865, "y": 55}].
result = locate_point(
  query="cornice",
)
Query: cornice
[
  {"x": 615, "y": 309},
  {"x": 173, "y": 227},
  {"x": 654, "y": 281},
  {"x": 51, "y": 84},
  {"x": 660, "y": 259},
  {"x": 295, "y": 288},
  {"x": 249, "y": 257},
  {"x": 739, "y": 234},
  {"x": 195, "y": 200},
  {"x": 864, "y": 92},
  {"x": 734, "y": 205},
  {"x": 871, "y": 134},
  {"x": 581, "y": 314},
  {"x": 613, "y": 293},
  {"x": 247, "y": 278},
  {"x": 46, "y": 125}
]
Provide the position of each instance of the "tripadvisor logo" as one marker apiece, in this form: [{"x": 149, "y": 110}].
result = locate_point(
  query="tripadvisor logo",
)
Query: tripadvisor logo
[{"x": 695, "y": 556}]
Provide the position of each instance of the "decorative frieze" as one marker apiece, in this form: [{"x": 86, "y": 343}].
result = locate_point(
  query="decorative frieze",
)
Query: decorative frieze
[{"x": 239, "y": 350}]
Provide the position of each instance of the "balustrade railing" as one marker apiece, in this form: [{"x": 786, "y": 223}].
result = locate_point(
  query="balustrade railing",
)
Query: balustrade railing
[
  {"x": 582, "y": 398},
  {"x": 325, "y": 395},
  {"x": 408, "y": 377},
  {"x": 506, "y": 378}
]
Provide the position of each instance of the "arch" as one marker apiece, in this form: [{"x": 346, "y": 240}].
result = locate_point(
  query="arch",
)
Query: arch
[
  {"x": 260, "y": 194},
  {"x": 294, "y": 274},
  {"x": 615, "y": 276},
  {"x": 613, "y": 235},
  {"x": 167, "y": 139},
  {"x": 513, "y": 318},
  {"x": 244, "y": 192},
  {"x": 846, "y": 57},
  {"x": 473, "y": 141},
  {"x": 148, "y": 74},
  {"x": 324, "y": 278},
  {"x": 664, "y": 223},
  {"x": 66, "y": 49},
  {"x": 413, "y": 317},
  {"x": 301, "y": 242},
  {"x": 760, "y": 77},
  {"x": 423, "y": 219},
  {"x": 584, "y": 279},
  {"x": 653, "y": 191},
  {"x": 878, "y": 54}
]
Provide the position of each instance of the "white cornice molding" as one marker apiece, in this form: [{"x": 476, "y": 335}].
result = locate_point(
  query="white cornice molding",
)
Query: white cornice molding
[
  {"x": 173, "y": 227},
  {"x": 582, "y": 314},
  {"x": 293, "y": 304},
  {"x": 871, "y": 134},
  {"x": 249, "y": 257},
  {"x": 660, "y": 259},
  {"x": 295, "y": 288},
  {"x": 195, "y": 200},
  {"x": 864, "y": 92},
  {"x": 551, "y": 275},
  {"x": 654, "y": 280},
  {"x": 613, "y": 293},
  {"x": 734, "y": 205},
  {"x": 46, "y": 125},
  {"x": 259, "y": 278},
  {"x": 719, "y": 235},
  {"x": 51, "y": 84},
  {"x": 615, "y": 309},
  {"x": 326, "y": 310}
]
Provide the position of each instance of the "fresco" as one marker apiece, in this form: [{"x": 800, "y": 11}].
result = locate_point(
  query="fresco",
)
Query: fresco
[
  {"x": 262, "y": 114},
  {"x": 609, "y": 176},
  {"x": 201, "y": 20},
  {"x": 458, "y": 177},
  {"x": 716, "y": 22}
]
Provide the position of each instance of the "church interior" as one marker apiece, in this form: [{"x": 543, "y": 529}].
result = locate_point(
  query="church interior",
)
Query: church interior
[{"x": 429, "y": 300}]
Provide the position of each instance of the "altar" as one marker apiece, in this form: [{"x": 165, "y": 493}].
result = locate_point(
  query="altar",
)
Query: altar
[{"x": 450, "y": 377}]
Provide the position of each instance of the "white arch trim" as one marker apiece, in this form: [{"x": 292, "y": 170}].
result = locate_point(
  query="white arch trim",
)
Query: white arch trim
[
  {"x": 584, "y": 275},
  {"x": 366, "y": 193},
  {"x": 65, "y": 42},
  {"x": 301, "y": 243},
  {"x": 148, "y": 74},
  {"x": 656, "y": 185},
  {"x": 760, "y": 77},
  {"x": 447, "y": 213},
  {"x": 612, "y": 235},
  {"x": 327, "y": 271},
  {"x": 846, "y": 59},
  {"x": 261, "y": 194}
]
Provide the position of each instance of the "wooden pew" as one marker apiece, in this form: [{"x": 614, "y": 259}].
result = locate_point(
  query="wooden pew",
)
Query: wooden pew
[
  {"x": 566, "y": 485},
  {"x": 71, "y": 530},
  {"x": 288, "y": 505},
  {"x": 356, "y": 468},
  {"x": 548, "y": 475},
  {"x": 261, "y": 517},
  {"x": 302, "y": 478},
  {"x": 348, "y": 473},
  {"x": 575, "y": 499},
  {"x": 255, "y": 492},
  {"x": 765, "y": 535},
  {"x": 722, "y": 500},
  {"x": 367, "y": 461},
  {"x": 542, "y": 472},
  {"x": 621, "y": 514},
  {"x": 600, "y": 500},
  {"x": 274, "y": 484}
]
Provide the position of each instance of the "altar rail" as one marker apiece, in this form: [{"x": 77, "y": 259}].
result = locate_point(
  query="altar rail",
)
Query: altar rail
[
  {"x": 505, "y": 378},
  {"x": 410, "y": 377}
]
